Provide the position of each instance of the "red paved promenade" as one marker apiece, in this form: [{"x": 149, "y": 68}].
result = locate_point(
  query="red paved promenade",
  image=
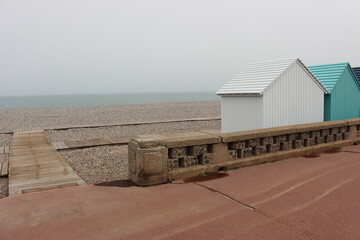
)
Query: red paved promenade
[{"x": 314, "y": 197}]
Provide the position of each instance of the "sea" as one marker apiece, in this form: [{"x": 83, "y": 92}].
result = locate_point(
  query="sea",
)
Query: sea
[{"x": 103, "y": 99}]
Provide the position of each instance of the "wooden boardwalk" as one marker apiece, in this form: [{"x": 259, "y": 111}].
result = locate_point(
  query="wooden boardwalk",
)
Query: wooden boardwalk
[
  {"x": 4, "y": 161},
  {"x": 66, "y": 127},
  {"x": 91, "y": 143},
  {"x": 29, "y": 130},
  {"x": 35, "y": 165},
  {"x": 132, "y": 123}
]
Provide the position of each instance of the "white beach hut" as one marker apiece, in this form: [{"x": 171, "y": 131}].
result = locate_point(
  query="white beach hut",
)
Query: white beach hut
[{"x": 270, "y": 94}]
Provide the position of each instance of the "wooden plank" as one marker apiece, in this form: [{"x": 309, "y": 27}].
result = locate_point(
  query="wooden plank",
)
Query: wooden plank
[
  {"x": 5, "y": 167},
  {"x": 95, "y": 142},
  {"x": 29, "y": 130},
  {"x": 72, "y": 144},
  {"x": 59, "y": 145},
  {"x": 7, "y": 150},
  {"x": 65, "y": 127},
  {"x": 35, "y": 165},
  {"x": 45, "y": 174},
  {"x": 18, "y": 189},
  {"x": 2, "y": 150},
  {"x": 133, "y": 123},
  {"x": 62, "y": 145},
  {"x": 32, "y": 183},
  {"x": 55, "y": 144},
  {"x": 30, "y": 190}
]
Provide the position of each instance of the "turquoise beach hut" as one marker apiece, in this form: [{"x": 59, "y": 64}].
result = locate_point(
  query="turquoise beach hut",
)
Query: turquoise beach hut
[
  {"x": 343, "y": 99},
  {"x": 357, "y": 73}
]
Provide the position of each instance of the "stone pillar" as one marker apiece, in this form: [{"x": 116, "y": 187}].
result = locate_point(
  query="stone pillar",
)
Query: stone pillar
[
  {"x": 354, "y": 128},
  {"x": 147, "y": 161}
]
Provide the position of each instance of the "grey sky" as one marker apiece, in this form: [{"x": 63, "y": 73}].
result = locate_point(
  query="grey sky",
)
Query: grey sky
[{"x": 88, "y": 46}]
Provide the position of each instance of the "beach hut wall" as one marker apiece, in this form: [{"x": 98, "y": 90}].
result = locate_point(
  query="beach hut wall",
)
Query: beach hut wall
[
  {"x": 343, "y": 98},
  {"x": 357, "y": 73},
  {"x": 271, "y": 94}
]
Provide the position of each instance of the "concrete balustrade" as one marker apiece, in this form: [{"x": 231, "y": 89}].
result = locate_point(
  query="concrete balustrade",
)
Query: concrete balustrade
[{"x": 156, "y": 159}]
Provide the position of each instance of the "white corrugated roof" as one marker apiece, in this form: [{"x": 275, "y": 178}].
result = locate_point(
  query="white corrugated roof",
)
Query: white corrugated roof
[{"x": 256, "y": 77}]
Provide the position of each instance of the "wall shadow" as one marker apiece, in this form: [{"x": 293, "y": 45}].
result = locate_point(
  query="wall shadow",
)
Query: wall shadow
[{"x": 118, "y": 183}]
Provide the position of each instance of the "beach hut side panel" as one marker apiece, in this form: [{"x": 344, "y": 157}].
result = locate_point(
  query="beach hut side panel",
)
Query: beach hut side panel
[
  {"x": 239, "y": 113},
  {"x": 294, "y": 98},
  {"x": 327, "y": 107},
  {"x": 345, "y": 97},
  {"x": 357, "y": 73}
]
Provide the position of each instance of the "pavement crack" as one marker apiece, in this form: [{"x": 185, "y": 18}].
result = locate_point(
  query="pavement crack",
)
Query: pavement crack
[
  {"x": 226, "y": 196},
  {"x": 259, "y": 211}
]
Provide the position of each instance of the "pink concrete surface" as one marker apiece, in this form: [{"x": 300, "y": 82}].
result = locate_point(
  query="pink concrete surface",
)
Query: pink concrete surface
[
  {"x": 300, "y": 198},
  {"x": 321, "y": 194}
]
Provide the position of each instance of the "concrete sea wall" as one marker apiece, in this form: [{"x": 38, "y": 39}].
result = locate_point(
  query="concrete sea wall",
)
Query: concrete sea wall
[{"x": 156, "y": 159}]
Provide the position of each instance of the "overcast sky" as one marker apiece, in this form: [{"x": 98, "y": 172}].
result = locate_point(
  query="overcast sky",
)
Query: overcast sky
[{"x": 103, "y": 46}]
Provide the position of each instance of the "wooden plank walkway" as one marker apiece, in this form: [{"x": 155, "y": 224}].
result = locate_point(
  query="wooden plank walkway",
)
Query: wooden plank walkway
[
  {"x": 132, "y": 123},
  {"x": 34, "y": 165},
  {"x": 29, "y": 130},
  {"x": 75, "y": 144},
  {"x": 111, "y": 124},
  {"x": 4, "y": 161}
]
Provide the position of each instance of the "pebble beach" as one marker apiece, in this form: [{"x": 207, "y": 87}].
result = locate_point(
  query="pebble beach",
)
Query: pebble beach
[
  {"x": 105, "y": 163},
  {"x": 20, "y": 118}
]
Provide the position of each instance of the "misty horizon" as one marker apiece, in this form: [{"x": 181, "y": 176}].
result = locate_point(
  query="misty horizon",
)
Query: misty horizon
[
  {"x": 114, "y": 47},
  {"x": 109, "y": 93}
]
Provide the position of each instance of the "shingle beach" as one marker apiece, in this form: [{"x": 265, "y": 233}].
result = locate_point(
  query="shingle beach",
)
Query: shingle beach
[{"x": 105, "y": 163}]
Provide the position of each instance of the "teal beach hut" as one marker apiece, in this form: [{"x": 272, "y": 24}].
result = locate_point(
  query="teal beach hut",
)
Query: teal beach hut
[
  {"x": 343, "y": 99},
  {"x": 357, "y": 72}
]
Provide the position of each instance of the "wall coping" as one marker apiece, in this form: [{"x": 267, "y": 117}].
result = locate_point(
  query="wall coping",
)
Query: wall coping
[{"x": 210, "y": 136}]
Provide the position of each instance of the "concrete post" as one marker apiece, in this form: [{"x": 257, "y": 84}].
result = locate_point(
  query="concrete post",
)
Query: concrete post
[{"x": 147, "y": 162}]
